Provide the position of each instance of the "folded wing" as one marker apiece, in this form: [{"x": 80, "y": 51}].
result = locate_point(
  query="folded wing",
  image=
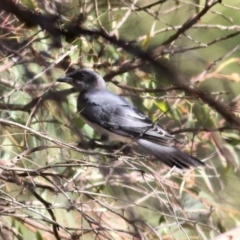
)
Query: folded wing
[{"x": 117, "y": 115}]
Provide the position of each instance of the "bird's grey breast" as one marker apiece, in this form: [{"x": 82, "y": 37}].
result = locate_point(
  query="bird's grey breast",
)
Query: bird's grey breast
[{"x": 97, "y": 109}]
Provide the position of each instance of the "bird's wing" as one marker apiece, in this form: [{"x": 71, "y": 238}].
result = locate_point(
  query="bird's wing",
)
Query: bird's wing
[{"x": 116, "y": 115}]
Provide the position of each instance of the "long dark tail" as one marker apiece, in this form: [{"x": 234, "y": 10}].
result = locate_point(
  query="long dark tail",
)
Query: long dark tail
[{"x": 171, "y": 156}]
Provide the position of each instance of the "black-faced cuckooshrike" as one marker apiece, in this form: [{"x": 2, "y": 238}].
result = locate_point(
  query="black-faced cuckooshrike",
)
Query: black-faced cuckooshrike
[{"x": 118, "y": 120}]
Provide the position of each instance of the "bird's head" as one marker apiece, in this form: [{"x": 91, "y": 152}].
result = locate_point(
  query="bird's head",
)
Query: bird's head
[{"x": 83, "y": 79}]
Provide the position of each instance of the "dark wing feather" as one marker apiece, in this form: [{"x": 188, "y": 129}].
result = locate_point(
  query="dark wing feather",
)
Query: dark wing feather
[{"x": 117, "y": 115}]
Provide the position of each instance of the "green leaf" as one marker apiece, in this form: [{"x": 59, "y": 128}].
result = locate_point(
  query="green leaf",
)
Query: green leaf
[
  {"x": 161, "y": 220},
  {"x": 39, "y": 236},
  {"x": 146, "y": 41},
  {"x": 221, "y": 227},
  {"x": 100, "y": 188},
  {"x": 162, "y": 105},
  {"x": 20, "y": 231},
  {"x": 202, "y": 115},
  {"x": 30, "y": 4}
]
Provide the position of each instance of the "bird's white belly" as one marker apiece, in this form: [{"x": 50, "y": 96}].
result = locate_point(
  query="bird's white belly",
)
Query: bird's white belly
[{"x": 111, "y": 136}]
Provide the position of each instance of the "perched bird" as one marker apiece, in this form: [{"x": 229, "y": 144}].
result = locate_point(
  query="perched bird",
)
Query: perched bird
[{"x": 118, "y": 120}]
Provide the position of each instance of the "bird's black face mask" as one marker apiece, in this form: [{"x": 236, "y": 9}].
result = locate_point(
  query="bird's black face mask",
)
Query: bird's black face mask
[{"x": 83, "y": 79}]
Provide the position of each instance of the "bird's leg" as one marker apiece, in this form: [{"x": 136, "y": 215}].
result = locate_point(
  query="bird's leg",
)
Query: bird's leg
[
  {"x": 96, "y": 142},
  {"x": 92, "y": 143},
  {"x": 99, "y": 143}
]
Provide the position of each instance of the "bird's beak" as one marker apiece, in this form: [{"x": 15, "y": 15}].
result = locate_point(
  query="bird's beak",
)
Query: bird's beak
[{"x": 65, "y": 79}]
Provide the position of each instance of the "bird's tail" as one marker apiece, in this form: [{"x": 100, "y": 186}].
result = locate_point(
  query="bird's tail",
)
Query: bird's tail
[{"x": 171, "y": 156}]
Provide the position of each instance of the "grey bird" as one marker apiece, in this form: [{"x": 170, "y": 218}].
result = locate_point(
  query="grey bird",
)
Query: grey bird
[{"x": 115, "y": 118}]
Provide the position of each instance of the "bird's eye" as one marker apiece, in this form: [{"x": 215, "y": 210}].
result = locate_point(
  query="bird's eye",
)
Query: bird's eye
[{"x": 81, "y": 75}]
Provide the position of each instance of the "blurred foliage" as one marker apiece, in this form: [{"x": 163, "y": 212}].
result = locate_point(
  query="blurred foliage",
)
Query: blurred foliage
[{"x": 52, "y": 189}]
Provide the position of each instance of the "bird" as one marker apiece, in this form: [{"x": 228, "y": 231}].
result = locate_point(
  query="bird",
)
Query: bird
[{"x": 116, "y": 119}]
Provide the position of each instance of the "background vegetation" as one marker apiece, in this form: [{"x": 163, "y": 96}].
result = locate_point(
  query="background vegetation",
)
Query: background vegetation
[{"x": 176, "y": 60}]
